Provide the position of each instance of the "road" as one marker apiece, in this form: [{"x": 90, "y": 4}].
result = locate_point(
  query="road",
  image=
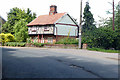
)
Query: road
[
  {"x": 0, "y": 63},
  {"x": 58, "y": 63}
]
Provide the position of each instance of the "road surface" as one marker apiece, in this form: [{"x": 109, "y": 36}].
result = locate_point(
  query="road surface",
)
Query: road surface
[
  {"x": 58, "y": 63},
  {"x": 0, "y": 63}
]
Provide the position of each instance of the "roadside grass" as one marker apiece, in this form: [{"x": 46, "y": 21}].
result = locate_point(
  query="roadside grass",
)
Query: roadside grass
[{"x": 103, "y": 50}]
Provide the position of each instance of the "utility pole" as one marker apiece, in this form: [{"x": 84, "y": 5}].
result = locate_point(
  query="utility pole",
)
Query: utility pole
[
  {"x": 113, "y": 16},
  {"x": 80, "y": 26}
]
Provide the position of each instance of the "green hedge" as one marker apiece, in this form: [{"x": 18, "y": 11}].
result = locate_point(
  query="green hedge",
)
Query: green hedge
[
  {"x": 38, "y": 44},
  {"x": 103, "y": 37},
  {"x": 14, "y": 44}
]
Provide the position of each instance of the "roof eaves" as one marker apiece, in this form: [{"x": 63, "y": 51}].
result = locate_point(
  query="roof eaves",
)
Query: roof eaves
[
  {"x": 60, "y": 18},
  {"x": 73, "y": 20},
  {"x": 38, "y": 24}
]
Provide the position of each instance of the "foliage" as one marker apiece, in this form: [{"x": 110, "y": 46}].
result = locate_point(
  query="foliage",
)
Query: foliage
[
  {"x": 14, "y": 16},
  {"x": 116, "y": 19},
  {"x": 38, "y": 44},
  {"x": 103, "y": 50},
  {"x": 35, "y": 39},
  {"x": 88, "y": 19},
  {"x": 29, "y": 40},
  {"x": 102, "y": 37},
  {"x": 14, "y": 44},
  {"x": 2, "y": 38},
  {"x": 6, "y": 37},
  {"x": 67, "y": 41},
  {"x": 21, "y": 31}
]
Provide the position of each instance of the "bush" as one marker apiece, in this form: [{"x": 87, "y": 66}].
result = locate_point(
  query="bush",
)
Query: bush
[
  {"x": 2, "y": 38},
  {"x": 19, "y": 44},
  {"x": 6, "y": 38},
  {"x": 38, "y": 44},
  {"x": 29, "y": 40},
  {"x": 102, "y": 37},
  {"x": 67, "y": 41}
]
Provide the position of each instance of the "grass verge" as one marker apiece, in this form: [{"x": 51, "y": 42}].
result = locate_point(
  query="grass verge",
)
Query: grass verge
[{"x": 103, "y": 50}]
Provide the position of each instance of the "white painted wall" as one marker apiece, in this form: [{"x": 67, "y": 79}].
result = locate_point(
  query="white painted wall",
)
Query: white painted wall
[{"x": 40, "y": 30}]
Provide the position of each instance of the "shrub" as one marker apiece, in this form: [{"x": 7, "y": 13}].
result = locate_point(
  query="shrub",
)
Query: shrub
[
  {"x": 6, "y": 38},
  {"x": 20, "y": 44},
  {"x": 29, "y": 40},
  {"x": 102, "y": 37},
  {"x": 38, "y": 44},
  {"x": 9, "y": 37},
  {"x": 2, "y": 38}
]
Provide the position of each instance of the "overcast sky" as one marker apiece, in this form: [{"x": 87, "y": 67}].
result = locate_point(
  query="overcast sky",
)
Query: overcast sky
[{"x": 41, "y": 7}]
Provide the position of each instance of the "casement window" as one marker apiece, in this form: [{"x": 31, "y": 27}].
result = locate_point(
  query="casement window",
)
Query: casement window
[
  {"x": 46, "y": 29},
  {"x": 50, "y": 39},
  {"x": 33, "y": 29}
]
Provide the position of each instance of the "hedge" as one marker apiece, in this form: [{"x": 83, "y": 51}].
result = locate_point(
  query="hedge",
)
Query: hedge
[
  {"x": 38, "y": 44},
  {"x": 14, "y": 44}
]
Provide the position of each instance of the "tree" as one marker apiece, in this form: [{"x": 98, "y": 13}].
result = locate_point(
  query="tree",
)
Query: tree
[
  {"x": 21, "y": 31},
  {"x": 116, "y": 18},
  {"x": 14, "y": 16},
  {"x": 104, "y": 37},
  {"x": 88, "y": 19}
]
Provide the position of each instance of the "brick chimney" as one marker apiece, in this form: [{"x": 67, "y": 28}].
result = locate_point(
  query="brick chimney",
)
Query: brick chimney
[{"x": 53, "y": 10}]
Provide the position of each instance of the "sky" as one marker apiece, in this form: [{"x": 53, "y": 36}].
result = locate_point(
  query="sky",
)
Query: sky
[{"x": 41, "y": 7}]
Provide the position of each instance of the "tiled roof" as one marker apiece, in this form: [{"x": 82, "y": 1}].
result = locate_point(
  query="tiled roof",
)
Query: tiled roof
[{"x": 46, "y": 19}]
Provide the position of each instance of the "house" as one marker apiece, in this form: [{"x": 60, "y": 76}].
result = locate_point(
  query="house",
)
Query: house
[
  {"x": 52, "y": 27},
  {"x": 2, "y": 21}
]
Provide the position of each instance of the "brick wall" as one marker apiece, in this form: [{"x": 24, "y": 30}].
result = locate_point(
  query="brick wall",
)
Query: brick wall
[
  {"x": 48, "y": 36},
  {"x": 45, "y": 38}
]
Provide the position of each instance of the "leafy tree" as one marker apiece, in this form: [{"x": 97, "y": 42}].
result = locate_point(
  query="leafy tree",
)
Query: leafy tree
[
  {"x": 104, "y": 37},
  {"x": 14, "y": 16},
  {"x": 88, "y": 19},
  {"x": 21, "y": 31},
  {"x": 116, "y": 18}
]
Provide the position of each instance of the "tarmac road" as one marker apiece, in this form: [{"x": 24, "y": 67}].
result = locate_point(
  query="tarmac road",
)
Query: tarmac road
[
  {"x": 58, "y": 63},
  {"x": 0, "y": 63}
]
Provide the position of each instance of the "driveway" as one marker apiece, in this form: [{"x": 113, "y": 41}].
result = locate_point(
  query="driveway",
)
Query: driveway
[{"x": 58, "y": 63}]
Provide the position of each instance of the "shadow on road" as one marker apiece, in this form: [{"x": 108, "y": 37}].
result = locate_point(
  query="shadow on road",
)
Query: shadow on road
[{"x": 34, "y": 66}]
